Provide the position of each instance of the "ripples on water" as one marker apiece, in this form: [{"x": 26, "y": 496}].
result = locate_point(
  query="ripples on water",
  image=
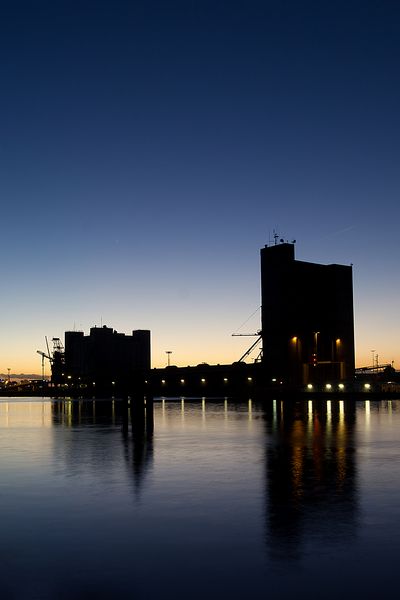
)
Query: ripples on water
[{"x": 200, "y": 499}]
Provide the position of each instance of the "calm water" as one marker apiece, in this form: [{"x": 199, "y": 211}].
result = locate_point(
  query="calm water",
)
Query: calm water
[{"x": 207, "y": 500}]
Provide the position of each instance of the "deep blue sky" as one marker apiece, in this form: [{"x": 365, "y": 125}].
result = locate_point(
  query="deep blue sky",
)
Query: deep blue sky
[{"x": 149, "y": 149}]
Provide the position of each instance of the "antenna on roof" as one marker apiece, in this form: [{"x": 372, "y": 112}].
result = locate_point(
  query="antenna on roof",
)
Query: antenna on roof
[{"x": 277, "y": 239}]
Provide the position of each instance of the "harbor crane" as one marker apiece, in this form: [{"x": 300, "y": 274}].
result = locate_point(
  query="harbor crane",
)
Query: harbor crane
[
  {"x": 55, "y": 358},
  {"x": 249, "y": 350},
  {"x": 44, "y": 355}
]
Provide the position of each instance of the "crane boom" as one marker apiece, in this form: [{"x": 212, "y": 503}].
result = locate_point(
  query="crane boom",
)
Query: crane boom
[
  {"x": 47, "y": 345},
  {"x": 247, "y": 334},
  {"x": 244, "y": 334},
  {"x": 44, "y": 355},
  {"x": 249, "y": 350}
]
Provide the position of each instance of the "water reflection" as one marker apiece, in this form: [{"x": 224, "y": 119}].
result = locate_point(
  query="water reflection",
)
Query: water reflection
[
  {"x": 246, "y": 499},
  {"x": 138, "y": 446},
  {"x": 25, "y": 414},
  {"x": 311, "y": 475},
  {"x": 135, "y": 420}
]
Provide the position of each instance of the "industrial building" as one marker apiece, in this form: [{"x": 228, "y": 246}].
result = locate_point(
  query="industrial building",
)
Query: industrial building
[
  {"x": 105, "y": 357},
  {"x": 307, "y": 322}
]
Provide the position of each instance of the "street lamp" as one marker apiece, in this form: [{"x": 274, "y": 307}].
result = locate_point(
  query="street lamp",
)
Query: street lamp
[
  {"x": 316, "y": 341},
  {"x": 315, "y": 361}
]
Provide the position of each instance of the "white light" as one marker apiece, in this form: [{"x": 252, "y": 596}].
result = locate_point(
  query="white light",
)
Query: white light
[
  {"x": 328, "y": 386},
  {"x": 309, "y": 386},
  {"x": 225, "y": 379},
  {"x": 341, "y": 386},
  {"x": 203, "y": 380},
  {"x": 367, "y": 386},
  {"x": 162, "y": 380},
  {"x": 249, "y": 379},
  {"x": 182, "y": 381},
  {"x": 274, "y": 379}
]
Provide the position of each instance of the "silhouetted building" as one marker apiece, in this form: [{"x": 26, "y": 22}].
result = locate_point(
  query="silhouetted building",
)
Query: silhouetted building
[
  {"x": 106, "y": 356},
  {"x": 307, "y": 318}
]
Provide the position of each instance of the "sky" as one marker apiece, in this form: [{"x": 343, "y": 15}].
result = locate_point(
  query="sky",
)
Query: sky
[{"x": 149, "y": 149}]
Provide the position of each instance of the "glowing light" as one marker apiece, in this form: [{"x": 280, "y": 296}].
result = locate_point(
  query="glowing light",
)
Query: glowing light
[
  {"x": 225, "y": 379},
  {"x": 274, "y": 379},
  {"x": 203, "y": 380},
  {"x": 367, "y": 414},
  {"x": 341, "y": 386},
  {"x": 328, "y": 418},
  {"x": 182, "y": 381},
  {"x": 310, "y": 386},
  {"x": 249, "y": 379},
  {"x": 162, "y": 380},
  {"x": 367, "y": 386},
  {"x": 328, "y": 386},
  {"x": 294, "y": 339}
]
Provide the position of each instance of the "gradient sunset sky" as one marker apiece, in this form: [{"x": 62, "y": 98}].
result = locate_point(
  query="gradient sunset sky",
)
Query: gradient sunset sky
[{"x": 148, "y": 149}]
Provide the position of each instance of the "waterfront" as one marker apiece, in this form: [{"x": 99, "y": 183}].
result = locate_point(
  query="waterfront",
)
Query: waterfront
[{"x": 214, "y": 499}]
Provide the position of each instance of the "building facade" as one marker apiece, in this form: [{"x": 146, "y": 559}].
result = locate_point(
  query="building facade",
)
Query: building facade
[
  {"x": 307, "y": 318},
  {"x": 106, "y": 357}
]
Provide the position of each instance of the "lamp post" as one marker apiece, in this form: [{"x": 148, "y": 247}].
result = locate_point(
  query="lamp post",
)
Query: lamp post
[
  {"x": 316, "y": 334},
  {"x": 168, "y": 353}
]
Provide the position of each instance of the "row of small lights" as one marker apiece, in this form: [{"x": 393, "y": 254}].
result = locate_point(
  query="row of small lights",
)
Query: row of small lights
[
  {"x": 113, "y": 382},
  {"x": 163, "y": 381},
  {"x": 341, "y": 386},
  {"x": 310, "y": 386}
]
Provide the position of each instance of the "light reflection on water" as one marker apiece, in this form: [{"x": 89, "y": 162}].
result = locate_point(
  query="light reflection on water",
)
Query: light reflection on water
[{"x": 199, "y": 498}]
